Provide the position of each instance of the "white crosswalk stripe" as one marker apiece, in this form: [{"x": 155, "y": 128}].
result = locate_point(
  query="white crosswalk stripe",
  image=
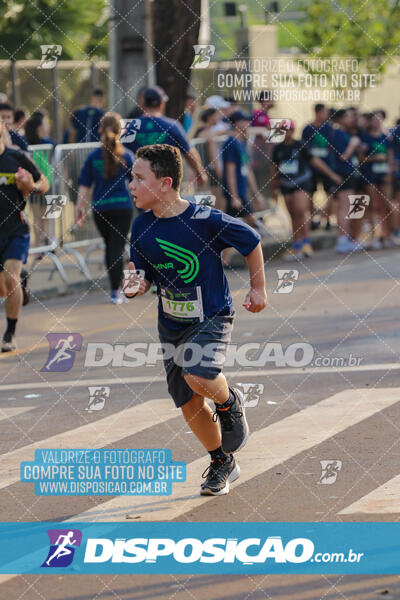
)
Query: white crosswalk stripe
[
  {"x": 383, "y": 500},
  {"x": 265, "y": 449}
]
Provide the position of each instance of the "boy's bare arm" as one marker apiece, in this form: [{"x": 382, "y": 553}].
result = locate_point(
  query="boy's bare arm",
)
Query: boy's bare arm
[{"x": 256, "y": 298}]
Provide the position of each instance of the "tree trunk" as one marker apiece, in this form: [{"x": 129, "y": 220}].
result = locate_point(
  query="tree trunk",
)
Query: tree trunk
[{"x": 176, "y": 29}]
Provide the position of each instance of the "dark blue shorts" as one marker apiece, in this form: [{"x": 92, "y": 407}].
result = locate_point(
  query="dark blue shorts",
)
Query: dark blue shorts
[
  {"x": 212, "y": 337},
  {"x": 14, "y": 245}
]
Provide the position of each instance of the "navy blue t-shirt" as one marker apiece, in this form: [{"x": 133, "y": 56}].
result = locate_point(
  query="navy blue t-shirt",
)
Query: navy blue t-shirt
[
  {"x": 18, "y": 140},
  {"x": 86, "y": 121},
  {"x": 317, "y": 140},
  {"x": 235, "y": 152},
  {"x": 340, "y": 141},
  {"x": 108, "y": 194},
  {"x": 374, "y": 172},
  {"x": 155, "y": 130},
  {"x": 183, "y": 253},
  {"x": 395, "y": 144}
]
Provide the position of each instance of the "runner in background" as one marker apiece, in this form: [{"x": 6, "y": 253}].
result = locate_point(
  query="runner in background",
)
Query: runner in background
[
  {"x": 345, "y": 163},
  {"x": 19, "y": 177},
  {"x": 86, "y": 120},
  {"x": 293, "y": 177},
  {"x": 316, "y": 137},
  {"x": 108, "y": 170},
  {"x": 154, "y": 128},
  {"x": 377, "y": 170},
  {"x": 262, "y": 150},
  {"x": 210, "y": 155},
  {"x": 37, "y": 129}
]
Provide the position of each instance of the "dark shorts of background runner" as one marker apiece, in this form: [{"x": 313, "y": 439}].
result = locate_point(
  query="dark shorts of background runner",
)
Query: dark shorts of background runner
[
  {"x": 326, "y": 182},
  {"x": 14, "y": 245},
  {"x": 305, "y": 187},
  {"x": 215, "y": 330},
  {"x": 350, "y": 182}
]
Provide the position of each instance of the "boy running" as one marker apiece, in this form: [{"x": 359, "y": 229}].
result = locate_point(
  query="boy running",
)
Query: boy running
[{"x": 178, "y": 245}]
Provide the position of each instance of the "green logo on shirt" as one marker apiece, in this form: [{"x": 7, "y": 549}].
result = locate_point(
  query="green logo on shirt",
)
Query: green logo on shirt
[{"x": 187, "y": 257}]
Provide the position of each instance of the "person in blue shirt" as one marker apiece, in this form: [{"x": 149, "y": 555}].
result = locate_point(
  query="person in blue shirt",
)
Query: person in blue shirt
[
  {"x": 178, "y": 245},
  {"x": 238, "y": 180},
  {"x": 316, "y": 138},
  {"x": 154, "y": 128},
  {"x": 395, "y": 138},
  {"x": 108, "y": 169},
  {"x": 86, "y": 120},
  {"x": 377, "y": 171},
  {"x": 345, "y": 163}
]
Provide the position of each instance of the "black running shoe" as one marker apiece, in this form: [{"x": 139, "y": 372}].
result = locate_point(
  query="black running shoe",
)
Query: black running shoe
[
  {"x": 24, "y": 285},
  {"x": 218, "y": 475},
  {"x": 8, "y": 345},
  {"x": 234, "y": 427}
]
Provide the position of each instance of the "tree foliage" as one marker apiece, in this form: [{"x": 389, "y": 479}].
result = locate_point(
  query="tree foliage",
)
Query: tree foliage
[
  {"x": 80, "y": 28},
  {"x": 353, "y": 28}
]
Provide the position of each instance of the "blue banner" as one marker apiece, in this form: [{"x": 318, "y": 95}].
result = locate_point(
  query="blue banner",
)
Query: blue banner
[{"x": 212, "y": 548}]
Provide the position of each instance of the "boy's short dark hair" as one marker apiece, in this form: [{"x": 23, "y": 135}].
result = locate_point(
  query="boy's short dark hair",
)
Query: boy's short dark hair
[
  {"x": 319, "y": 107},
  {"x": 6, "y": 106},
  {"x": 340, "y": 113},
  {"x": 19, "y": 113},
  {"x": 165, "y": 161}
]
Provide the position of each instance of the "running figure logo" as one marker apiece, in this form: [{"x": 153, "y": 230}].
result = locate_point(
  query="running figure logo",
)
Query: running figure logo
[
  {"x": 62, "y": 351},
  {"x": 132, "y": 281},
  {"x": 278, "y": 129},
  {"x": 54, "y": 207},
  {"x": 202, "y": 55},
  {"x": 50, "y": 54},
  {"x": 129, "y": 129},
  {"x": 63, "y": 543},
  {"x": 251, "y": 393},
  {"x": 330, "y": 470},
  {"x": 357, "y": 206},
  {"x": 98, "y": 395},
  {"x": 205, "y": 199},
  {"x": 286, "y": 280}
]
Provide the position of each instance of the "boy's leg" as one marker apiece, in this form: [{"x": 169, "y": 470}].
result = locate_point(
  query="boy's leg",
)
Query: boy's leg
[
  {"x": 229, "y": 409},
  {"x": 216, "y": 389},
  {"x": 199, "y": 417}
]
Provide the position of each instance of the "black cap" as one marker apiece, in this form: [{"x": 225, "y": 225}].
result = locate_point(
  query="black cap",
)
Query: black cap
[
  {"x": 154, "y": 96},
  {"x": 239, "y": 115}
]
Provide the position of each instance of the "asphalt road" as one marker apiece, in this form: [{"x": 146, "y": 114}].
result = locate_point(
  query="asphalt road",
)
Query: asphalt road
[{"x": 343, "y": 406}]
